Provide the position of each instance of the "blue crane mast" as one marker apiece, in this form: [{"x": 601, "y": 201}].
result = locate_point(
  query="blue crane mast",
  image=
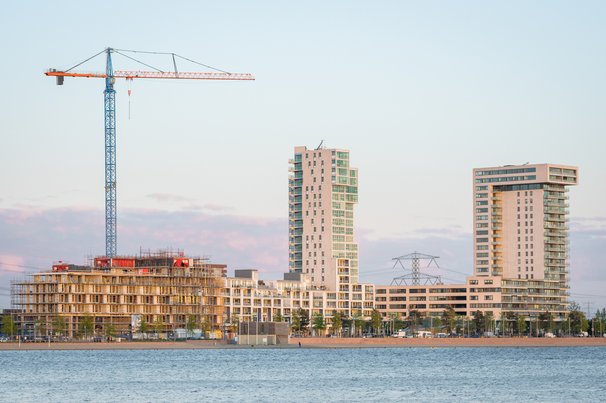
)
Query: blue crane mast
[{"x": 109, "y": 102}]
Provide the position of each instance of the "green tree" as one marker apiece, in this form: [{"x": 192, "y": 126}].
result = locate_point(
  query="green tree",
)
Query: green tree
[
  {"x": 205, "y": 325},
  {"x": 376, "y": 319},
  {"x": 41, "y": 327},
  {"x": 233, "y": 323},
  {"x": 304, "y": 319},
  {"x": 191, "y": 325},
  {"x": 143, "y": 327},
  {"x": 415, "y": 319},
  {"x": 295, "y": 321},
  {"x": 59, "y": 325},
  {"x": 158, "y": 325},
  {"x": 110, "y": 331},
  {"x": 578, "y": 322},
  {"x": 278, "y": 317},
  {"x": 358, "y": 322},
  {"x": 318, "y": 323},
  {"x": 599, "y": 322},
  {"x": 602, "y": 321},
  {"x": 392, "y": 322},
  {"x": 510, "y": 321},
  {"x": 521, "y": 325},
  {"x": 488, "y": 322},
  {"x": 337, "y": 323},
  {"x": 437, "y": 324},
  {"x": 8, "y": 325},
  {"x": 449, "y": 317},
  {"x": 87, "y": 324},
  {"x": 546, "y": 323},
  {"x": 478, "y": 321}
]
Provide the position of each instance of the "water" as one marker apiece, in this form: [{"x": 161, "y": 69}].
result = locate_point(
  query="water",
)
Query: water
[{"x": 318, "y": 375}]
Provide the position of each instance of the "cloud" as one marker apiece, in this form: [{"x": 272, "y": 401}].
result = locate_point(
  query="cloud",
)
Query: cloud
[
  {"x": 187, "y": 203},
  {"x": 167, "y": 197},
  {"x": 37, "y": 237},
  {"x": 216, "y": 207},
  {"x": 11, "y": 264}
]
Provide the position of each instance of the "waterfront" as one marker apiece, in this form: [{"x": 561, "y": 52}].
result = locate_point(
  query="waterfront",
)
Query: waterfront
[
  {"x": 324, "y": 342},
  {"x": 292, "y": 374}
]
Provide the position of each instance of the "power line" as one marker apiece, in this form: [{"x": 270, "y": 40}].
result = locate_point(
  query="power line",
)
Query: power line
[
  {"x": 20, "y": 265},
  {"x": 588, "y": 295}
]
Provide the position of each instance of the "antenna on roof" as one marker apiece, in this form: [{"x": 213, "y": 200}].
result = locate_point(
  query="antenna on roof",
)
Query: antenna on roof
[{"x": 320, "y": 146}]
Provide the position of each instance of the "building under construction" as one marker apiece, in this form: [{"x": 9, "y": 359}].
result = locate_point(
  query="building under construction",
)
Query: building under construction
[{"x": 165, "y": 290}]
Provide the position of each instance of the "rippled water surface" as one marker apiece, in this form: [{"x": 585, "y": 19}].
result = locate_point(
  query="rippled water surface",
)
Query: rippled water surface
[{"x": 318, "y": 375}]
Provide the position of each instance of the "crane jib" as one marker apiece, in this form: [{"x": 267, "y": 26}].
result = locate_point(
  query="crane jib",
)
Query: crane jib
[{"x": 153, "y": 74}]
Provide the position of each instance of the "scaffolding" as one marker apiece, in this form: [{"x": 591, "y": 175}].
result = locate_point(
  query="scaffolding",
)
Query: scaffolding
[{"x": 167, "y": 290}]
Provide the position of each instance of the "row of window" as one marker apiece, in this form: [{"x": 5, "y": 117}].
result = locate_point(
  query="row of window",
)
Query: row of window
[
  {"x": 507, "y": 179},
  {"x": 506, "y": 171}
]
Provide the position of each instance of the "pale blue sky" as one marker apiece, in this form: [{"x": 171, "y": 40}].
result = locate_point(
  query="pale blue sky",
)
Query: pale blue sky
[{"x": 420, "y": 92}]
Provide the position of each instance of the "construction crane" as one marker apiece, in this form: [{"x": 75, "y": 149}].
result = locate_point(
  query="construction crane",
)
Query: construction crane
[{"x": 109, "y": 96}]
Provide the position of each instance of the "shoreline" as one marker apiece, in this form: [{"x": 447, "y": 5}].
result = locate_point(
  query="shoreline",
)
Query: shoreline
[
  {"x": 317, "y": 343},
  {"x": 450, "y": 342}
]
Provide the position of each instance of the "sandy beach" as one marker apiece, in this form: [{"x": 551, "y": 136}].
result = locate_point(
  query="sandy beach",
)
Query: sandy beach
[{"x": 321, "y": 342}]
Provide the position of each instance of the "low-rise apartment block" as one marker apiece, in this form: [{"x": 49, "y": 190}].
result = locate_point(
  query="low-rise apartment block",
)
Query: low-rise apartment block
[{"x": 165, "y": 290}]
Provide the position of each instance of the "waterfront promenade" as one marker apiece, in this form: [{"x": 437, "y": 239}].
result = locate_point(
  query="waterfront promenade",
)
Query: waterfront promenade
[{"x": 322, "y": 342}]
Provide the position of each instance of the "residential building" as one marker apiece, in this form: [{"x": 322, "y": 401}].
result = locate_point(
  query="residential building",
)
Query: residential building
[
  {"x": 521, "y": 234},
  {"x": 323, "y": 190},
  {"x": 428, "y": 300},
  {"x": 520, "y": 216},
  {"x": 164, "y": 289},
  {"x": 247, "y": 298}
]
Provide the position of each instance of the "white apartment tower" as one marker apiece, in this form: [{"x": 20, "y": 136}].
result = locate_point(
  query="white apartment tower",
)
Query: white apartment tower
[{"x": 323, "y": 190}]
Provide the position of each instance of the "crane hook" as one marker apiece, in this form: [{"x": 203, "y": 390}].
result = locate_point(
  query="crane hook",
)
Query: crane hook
[{"x": 129, "y": 80}]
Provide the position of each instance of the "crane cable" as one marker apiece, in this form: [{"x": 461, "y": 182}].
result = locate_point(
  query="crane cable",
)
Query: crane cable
[
  {"x": 173, "y": 55},
  {"x": 138, "y": 61},
  {"x": 92, "y": 57}
]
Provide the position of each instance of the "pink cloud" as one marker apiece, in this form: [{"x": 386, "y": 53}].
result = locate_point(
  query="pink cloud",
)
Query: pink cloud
[{"x": 12, "y": 263}]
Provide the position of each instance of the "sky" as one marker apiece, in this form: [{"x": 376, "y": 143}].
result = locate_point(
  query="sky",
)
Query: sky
[{"x": 420, "y": 92}]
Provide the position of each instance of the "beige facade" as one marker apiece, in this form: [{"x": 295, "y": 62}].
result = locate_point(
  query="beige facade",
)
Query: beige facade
[
  {"x": 521, "y": 233},
  {"x": 249, "y": 299},
  {"x": 163, "y": 289},
  {"x": 323, "y": 190},
  {"x": 429, "y": 300}
]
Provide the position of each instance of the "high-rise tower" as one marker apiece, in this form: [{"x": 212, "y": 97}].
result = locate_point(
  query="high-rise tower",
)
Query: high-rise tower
[
  {"x": 521, "y": 232},
  {"x": 323, "y": 190}
]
